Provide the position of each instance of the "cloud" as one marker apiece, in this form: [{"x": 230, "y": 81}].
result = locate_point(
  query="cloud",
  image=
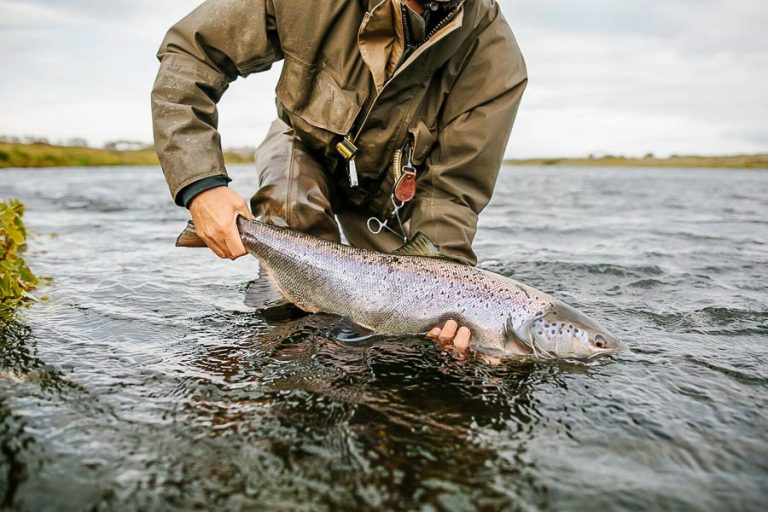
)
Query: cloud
[
  {"x": 631, "y": 77},
  {"x": 684, "y": 76}
]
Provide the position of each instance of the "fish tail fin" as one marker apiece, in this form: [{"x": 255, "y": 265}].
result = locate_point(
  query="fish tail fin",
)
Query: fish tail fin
[{"x": 189, "y": 237}]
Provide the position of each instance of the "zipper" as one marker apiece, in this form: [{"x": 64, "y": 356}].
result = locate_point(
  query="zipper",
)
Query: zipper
[
  {"x": 432, "y": 32},
  {"x": 347, "y": 148},
  {"x": 397, "y": 160}
]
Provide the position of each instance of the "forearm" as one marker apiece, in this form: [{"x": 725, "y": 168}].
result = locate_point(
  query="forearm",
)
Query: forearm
[{"x": 218, "y": 42}]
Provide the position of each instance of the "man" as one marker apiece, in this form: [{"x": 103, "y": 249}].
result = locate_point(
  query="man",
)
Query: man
[{"x": 390, "y": 111}]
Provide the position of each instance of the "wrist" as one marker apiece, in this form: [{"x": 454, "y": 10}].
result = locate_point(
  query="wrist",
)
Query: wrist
[{"x": 194, "y": 189}]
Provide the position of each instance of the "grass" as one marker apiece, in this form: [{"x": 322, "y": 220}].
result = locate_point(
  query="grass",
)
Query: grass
[
  {"x": 45, "y": 155},
  {"x": 759, "y": 161}
]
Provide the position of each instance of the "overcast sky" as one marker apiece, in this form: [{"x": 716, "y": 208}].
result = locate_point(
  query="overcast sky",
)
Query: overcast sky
[{"x": 606, "y": 76}]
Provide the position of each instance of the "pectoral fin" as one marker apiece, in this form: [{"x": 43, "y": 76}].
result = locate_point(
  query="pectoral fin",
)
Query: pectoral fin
[
  {"x": 264, "y": 295},
  {"x": 514, "y": 340},
  {"x": 353, "y": 334},
  {"x": 520, "y": 337}
]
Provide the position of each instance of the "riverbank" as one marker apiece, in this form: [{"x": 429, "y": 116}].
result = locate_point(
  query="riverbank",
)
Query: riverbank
[
  {"x": 45, "y": 155},
  {"x": 759, "y": 161}
]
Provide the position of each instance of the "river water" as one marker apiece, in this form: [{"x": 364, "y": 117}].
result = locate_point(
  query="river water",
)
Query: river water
[{"x": 144, "y": 383}]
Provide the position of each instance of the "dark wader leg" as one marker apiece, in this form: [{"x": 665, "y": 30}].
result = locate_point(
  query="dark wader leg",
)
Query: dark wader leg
[
  {"x": 356, "y": 231},
  {"x": 295, "y": 187}
]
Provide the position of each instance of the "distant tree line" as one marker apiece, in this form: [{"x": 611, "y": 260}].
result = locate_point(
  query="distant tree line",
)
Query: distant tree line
[
  {"x": 113, "y": 145},
  {"x": 76, "y": 142}
]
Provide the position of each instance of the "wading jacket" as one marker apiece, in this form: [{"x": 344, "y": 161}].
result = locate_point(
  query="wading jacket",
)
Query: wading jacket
[{"x": 455, "y": 98}]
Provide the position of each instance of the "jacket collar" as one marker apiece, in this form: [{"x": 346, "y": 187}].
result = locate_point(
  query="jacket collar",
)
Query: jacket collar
[{"x": 380, "y": 36}]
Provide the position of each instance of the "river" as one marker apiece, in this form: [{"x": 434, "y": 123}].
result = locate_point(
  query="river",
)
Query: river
[{"x": 145, "y": 383}]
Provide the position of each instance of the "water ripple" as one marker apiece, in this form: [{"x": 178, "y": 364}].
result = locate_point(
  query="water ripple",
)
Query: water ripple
[{"x": 145, "y": 383}]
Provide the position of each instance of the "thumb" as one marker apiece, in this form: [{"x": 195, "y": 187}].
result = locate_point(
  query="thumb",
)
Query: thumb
[{"x": 245, "y": 212}]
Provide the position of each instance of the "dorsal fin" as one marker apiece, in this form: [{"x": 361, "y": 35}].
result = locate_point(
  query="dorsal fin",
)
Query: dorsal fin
[
  {"x": 189, "y": 237},
  {"x": 419, "y": 245}
]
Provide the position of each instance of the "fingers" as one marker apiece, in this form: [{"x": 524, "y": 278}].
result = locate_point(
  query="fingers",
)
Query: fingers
[
  {"x": 451, "y": 336},
  {"x": 215, "y": 247},
  {"x": 214, "y": 212},
  {"x": 461, "y": 341},
  {"x": 233, "y": 240},
  {"x": 448, "y": 331},
  {"x": 235, "y": 247},
  {"x": 212, "y": 243},
  {"x": 245, "y": 212},
  {"x": 218, "y": 239}
]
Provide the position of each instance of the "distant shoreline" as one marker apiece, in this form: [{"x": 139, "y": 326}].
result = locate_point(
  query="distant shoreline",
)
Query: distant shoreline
[
  {"x": 759, "y": 161},
  {"x": 44, "y": 155}
]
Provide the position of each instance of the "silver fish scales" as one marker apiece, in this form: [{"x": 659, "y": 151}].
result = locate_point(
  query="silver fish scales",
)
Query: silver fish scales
[{"x": 413, "y": 290}]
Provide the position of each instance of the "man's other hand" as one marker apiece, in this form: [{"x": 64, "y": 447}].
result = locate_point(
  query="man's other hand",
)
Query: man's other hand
[
  {"x": 214, "y": 212},
  {"x": 451, "y": 336}
]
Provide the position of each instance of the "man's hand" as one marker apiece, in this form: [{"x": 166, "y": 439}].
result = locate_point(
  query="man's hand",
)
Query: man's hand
[
  {"x": 214, "y": 212},
  {"x": 451, "y": 336}
]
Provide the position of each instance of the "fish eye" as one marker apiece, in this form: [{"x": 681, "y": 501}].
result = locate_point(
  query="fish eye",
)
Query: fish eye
[{"x": 600, "y": 341}]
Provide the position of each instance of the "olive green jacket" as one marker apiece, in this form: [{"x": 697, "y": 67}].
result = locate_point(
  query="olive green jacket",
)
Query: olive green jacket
[{"x": 456, "y": 97}]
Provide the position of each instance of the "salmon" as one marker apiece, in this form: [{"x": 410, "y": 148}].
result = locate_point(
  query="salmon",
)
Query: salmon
[{"x": 415, "y": 289}]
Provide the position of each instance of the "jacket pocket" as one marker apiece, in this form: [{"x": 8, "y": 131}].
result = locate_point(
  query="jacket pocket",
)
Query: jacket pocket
[
  {"x": 423, "y": 140},
  {"x": 314, "y": 95}
]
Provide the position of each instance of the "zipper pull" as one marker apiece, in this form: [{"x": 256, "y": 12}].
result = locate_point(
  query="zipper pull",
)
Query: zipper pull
[
  {"x": 347, "y": 149},
  {"x": 352, "y": 174}
]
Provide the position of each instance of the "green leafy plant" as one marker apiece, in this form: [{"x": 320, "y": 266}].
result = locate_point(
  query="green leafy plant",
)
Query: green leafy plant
[{"x": 16, "y": 279}]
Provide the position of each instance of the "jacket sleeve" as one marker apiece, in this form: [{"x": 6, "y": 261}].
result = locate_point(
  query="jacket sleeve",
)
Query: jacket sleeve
[
  {"x": 200, "y": 55},
  {"x": 460, "y": 171}
]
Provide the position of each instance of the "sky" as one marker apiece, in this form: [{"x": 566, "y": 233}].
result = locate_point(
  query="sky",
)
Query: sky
[{"x": 605, "y": 76}]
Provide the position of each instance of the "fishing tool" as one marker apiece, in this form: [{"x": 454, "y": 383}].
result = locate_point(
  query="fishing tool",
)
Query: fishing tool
[
  {"x": 403, "y": 191},
  {"x": 347, "y": 149},
  {"x": 376, "y": 225}
]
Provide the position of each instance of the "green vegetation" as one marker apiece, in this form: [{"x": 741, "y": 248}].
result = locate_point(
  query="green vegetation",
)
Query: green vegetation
[
  {"x": 728, "y": 162},
  {"x": 16, "y": 280},
  {"x": 45, "y": 155}
]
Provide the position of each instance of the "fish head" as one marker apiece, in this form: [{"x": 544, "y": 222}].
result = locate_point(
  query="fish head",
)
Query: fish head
[{"x": 563, "y": 331}]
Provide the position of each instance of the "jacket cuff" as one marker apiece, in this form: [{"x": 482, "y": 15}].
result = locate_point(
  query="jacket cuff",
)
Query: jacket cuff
[{"x": 186, "y": 194}]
